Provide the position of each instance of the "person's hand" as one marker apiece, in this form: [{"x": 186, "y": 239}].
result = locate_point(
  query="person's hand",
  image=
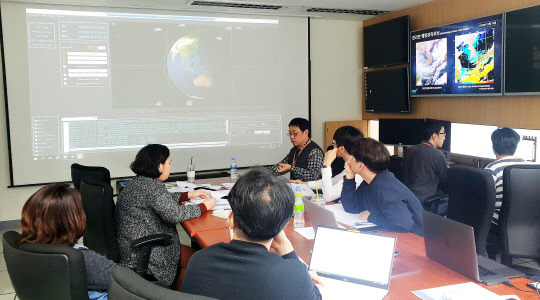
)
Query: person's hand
[
  {"x": 330, "y": 156},
  {"x": 282, "y": 244},
  {"x": 364, "y": 215},
  {"x": 316, "y": 279},
  {"x": 210, "y": 203},
  {"x": 349, "y": 174},
  {"x": 297, "y": 181},
  {"x": 283, "y": 168},
  {"x": 198, "y": 193}
]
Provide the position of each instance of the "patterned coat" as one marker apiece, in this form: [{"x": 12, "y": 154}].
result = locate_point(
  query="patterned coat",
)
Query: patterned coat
[{"x": 146, "y": 207}]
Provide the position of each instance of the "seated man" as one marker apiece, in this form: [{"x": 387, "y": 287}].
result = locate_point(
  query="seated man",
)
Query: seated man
[
  {"x": 425, "y": 167},
  {"x": 344, "y": 139},
  {"x": 244, "y": 268},
  {"x": 505, "y": 142},
  {"x": 305, "y": 159},
  {"x": 381, "y": 198}
]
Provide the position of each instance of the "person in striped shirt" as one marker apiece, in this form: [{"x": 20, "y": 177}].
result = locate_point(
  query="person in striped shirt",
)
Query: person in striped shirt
[{"x": 505, "y": 141}]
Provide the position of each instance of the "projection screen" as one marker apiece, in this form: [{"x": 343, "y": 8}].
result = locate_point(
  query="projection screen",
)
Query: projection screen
[{"x": 94, "y": 85}]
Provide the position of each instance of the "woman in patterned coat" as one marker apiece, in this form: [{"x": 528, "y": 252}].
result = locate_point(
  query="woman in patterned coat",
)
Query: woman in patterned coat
[{"x": 145, "y": 207}]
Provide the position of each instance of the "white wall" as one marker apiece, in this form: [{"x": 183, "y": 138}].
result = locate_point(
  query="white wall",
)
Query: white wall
[
  {"x": 336, "y": 73},
  {"x": 336, "y": 52}
]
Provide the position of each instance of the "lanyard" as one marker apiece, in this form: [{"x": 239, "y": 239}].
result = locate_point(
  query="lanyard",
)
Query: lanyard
[
  {"x": 428, "y": 144},
  {"x": 295, "y": 158}
]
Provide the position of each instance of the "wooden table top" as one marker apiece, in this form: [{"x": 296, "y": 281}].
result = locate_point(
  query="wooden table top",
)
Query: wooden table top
[{"x": 419, "y": 272}]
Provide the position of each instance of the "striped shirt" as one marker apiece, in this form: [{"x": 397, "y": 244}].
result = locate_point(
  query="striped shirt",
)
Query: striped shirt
[{"x": 496, "y": 169}]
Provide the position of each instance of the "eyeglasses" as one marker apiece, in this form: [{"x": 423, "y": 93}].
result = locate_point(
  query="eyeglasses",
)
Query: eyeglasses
[
  {"x": 443, "y": 133},
  {"x": 293, "y": 134}
]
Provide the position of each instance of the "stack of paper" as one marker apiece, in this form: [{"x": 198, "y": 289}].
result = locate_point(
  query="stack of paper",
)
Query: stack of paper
[
  {"x": 304, "y": 189},
  {"x": 462, "y": 291},
  {"x": 347, "y": 218}
]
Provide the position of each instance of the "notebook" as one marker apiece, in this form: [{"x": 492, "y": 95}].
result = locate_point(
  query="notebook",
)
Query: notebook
[
  {"x": 351, "y": 263},
  {"x": 451, "y": 244}
]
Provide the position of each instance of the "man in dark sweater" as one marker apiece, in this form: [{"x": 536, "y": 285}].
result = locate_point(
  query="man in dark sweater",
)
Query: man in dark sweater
[
  {"x": 262, "y": 205},
  {"x": 381, "y": 198},
  {"x": 425, "y": 167},
  {"x": 305, "y": 159}
]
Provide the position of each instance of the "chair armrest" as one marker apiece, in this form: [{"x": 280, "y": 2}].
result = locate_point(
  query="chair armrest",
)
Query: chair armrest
[
  {"x": 432, "y": 203},
  {"x": 152, "y": 240},
  {"x": 144, "y": 247}
]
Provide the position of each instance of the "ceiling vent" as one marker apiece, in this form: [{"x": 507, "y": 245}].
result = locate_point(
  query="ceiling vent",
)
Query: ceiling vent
[
  {"x": 236, "y": 5},
  {"x": 348, "y": 11}
]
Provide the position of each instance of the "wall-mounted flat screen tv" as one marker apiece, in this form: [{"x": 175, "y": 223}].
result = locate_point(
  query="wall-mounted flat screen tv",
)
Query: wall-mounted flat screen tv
[
  {"x": 459, "y": 59},
  {"x": 387, "y": 91},
  {"x": 387, "y": 43},
  {"x": 522, "y": 55}
]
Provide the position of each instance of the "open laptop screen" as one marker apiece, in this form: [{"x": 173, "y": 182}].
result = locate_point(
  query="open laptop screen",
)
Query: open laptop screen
[{"x": 353, "y": 256}]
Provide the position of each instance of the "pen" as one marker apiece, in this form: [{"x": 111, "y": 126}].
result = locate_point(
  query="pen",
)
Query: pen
[{"x": 317, "y": 190}]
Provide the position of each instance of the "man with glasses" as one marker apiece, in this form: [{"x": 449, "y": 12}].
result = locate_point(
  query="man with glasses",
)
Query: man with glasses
[
  {"x": 305, "y": 159},
  {"x": 425, "y": 167},
  {"x": 344, "y": 139}
]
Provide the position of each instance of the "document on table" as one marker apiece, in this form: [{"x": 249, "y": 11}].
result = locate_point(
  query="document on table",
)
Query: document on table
[
  {"x": 347, "y": 218},
  {"x": 174, "y": 188},
  {"x": 304, "y": 189},
  {"x": 227, "y": 185},
  {"x": 306, "y": 232},
  {"x": 185, "y": 184},
  {"x": 462, "y": 291},
  {"x": 219, "y": 194}
]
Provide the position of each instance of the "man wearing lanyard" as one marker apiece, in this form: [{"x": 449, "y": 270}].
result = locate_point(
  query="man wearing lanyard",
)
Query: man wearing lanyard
[
  {"x": 305, "y": 159},
  {"x": 425, "y": 167}
]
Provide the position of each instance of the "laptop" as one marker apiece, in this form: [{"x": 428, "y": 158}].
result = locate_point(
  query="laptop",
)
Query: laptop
[
  {"x": 451, "y": 244},
  {"x": 320, "y": 216},
  {"x": 362, "y": 266}
]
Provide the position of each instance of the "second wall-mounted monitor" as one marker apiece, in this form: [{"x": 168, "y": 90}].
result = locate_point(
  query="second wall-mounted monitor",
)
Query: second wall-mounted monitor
[
  {"x": 522, "y": 54},
  {"x": 387, "y": 43},
  {"x": 458, "y": 59},
  {"x": 387, "y": 91}
]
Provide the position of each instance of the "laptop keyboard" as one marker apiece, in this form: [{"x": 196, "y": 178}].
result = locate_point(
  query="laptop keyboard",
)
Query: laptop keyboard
[{"x": 485, "y": 272}]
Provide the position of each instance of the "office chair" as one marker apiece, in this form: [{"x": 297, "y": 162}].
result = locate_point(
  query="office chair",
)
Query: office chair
[
  {"x": 80, "y": 172},
  {"x": 126, "y": 285},
  {"x": 100, "y": 234},
  {"x": 43, "y": 271},
  {"x": 396, "y": 166},
  {"x": 471, "y": 201},
  {"x": 519, "y": 220}
]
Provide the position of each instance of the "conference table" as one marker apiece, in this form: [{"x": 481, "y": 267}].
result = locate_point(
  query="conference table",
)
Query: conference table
[{"x": 413, "y": 270}]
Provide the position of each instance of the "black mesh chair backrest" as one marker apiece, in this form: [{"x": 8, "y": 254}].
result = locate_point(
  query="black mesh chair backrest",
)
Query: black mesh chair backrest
[
  {"x": 126, "y": 285},
  {"x": 98, "y": 204},
  {"x": 42, "y": 271},
  {"x": 471, "y": 201},
  {"x": 80, "y": 172},
  {"x": 396, "y": 166},
  {"x": 519, "y": 220}
]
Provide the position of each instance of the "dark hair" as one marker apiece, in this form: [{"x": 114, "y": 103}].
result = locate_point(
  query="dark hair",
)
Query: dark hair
[
  {"x": 505, "y": 141},
  {"x": 301, "y": 123},
  {"x": 372, "y": 153},
  {"x": 262, "y": 204},
  {"x": 147, "y": 161},
  {"x": 346, "y": 136},
  {"x": 430, "y": 127},
  {"x": 53, "y": 215}
]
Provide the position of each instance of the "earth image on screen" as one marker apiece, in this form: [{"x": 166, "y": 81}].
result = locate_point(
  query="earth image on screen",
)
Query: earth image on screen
[{"x": 197, "y": 65}]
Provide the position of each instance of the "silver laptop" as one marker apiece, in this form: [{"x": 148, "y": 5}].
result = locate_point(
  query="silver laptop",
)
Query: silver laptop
[
  {"x": 451, "y": 244},
  {"x": 320, "y": 216},
  {"x": 362, "y": 268}
]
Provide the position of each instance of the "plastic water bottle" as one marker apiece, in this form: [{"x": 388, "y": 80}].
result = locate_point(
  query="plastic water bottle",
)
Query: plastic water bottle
[
  {"x": 234, "y": 169},
  {"x": 298, "y": 209}
]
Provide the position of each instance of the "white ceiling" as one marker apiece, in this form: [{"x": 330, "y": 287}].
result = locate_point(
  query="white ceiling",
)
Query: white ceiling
[{"x": 290, "y": 7}]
